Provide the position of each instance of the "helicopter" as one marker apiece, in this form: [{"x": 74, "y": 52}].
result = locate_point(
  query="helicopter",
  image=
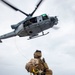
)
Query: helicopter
[{"x": 30, "y": 26}]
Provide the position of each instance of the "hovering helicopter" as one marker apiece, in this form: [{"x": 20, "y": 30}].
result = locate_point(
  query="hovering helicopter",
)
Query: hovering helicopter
[{"x": 30, "y": 26}]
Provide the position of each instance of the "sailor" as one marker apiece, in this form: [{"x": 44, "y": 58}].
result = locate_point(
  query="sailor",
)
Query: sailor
[{"x": 37, "y": 65}]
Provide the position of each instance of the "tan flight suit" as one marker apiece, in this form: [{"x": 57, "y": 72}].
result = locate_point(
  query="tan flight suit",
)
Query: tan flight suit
[{"x": 37, "y": 65}]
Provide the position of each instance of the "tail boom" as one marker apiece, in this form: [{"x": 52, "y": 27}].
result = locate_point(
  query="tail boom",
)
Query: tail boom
[{"x": 8, "y": 35}]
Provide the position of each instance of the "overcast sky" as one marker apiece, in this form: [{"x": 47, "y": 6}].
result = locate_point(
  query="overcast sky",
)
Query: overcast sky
[{"x": 58, "y": 47}]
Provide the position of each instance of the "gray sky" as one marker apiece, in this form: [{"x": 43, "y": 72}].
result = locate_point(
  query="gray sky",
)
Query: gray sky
[{"x": 58, "y": 47}]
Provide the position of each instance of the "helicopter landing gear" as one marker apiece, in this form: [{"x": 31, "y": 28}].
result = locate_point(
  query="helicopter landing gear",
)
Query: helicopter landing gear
[{"x": 35, "y": 36}]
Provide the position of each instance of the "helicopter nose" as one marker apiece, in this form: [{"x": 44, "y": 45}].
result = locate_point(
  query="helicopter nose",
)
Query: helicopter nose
[{"x": 56, "y": 20}]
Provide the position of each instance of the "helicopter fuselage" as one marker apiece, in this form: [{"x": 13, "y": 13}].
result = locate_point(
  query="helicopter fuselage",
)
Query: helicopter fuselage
[
  {"x": 35, "y": 25},
  {"x": 30, "y": 26}
]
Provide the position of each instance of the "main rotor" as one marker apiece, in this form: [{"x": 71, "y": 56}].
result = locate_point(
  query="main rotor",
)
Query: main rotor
[{"x": 16, "y": 9}]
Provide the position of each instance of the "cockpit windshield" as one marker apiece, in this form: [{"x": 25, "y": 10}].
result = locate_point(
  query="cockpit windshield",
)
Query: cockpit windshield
[
  {"x": 30, "y": 21},
  {"x": 44, "y": 17}
]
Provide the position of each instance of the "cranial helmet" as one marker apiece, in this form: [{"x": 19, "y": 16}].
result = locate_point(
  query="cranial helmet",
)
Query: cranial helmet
[{"x": 37, "y": 54}]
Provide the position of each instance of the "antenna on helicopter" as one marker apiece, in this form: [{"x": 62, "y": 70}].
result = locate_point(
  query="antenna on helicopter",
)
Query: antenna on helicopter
[{"x": 16, "y": 9}]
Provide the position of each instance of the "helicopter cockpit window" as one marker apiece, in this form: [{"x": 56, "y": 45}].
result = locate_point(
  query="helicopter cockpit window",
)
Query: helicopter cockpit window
[
  {"x": 30, "y": 21},
  {"x": 44, "y": 17},
  {"x": 33, "y": 20}
]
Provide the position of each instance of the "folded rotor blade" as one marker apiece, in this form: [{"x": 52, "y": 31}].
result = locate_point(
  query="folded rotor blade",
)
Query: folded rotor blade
[
  {"x": 13, "y": 7},
  {"x": 37, "y": 7}
]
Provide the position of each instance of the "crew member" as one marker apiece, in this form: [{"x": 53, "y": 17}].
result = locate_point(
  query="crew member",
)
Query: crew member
[{"x": 37, "y": 65}]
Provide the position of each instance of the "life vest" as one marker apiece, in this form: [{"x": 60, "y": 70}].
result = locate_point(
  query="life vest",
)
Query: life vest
[{"x": 35, "y": 65}]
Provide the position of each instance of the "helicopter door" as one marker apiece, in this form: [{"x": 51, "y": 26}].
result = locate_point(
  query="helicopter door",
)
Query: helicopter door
[
  {"x": 38, "y": 25},
  {"x": 39, "y": 19},
  {"x": 42, "y": 24}
]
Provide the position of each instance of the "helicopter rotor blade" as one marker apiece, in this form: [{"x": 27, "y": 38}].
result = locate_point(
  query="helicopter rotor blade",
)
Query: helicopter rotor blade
[
  {"x": 37, "y": 7},
  {"x": 13, "y": 7}
]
